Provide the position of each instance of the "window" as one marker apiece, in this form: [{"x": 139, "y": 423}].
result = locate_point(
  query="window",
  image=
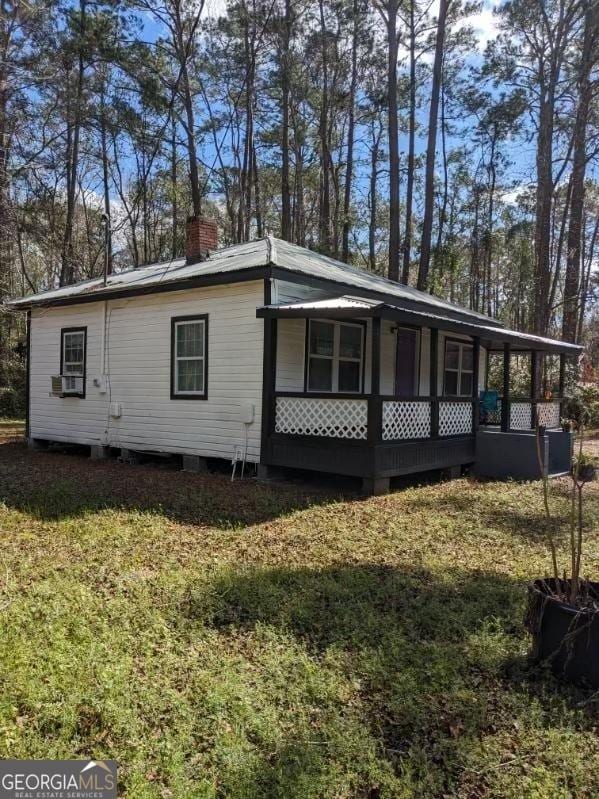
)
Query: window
[
  {"x": 189, "y": 338},
  {"x": 73, "y": 345},
  {"x": 459, "y": 369},
  {"x": 335, "y": 357}
]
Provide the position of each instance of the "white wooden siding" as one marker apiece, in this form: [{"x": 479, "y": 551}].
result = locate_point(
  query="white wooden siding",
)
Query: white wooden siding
[
  {"x": 291, "y": 348},
  {"x": 139, "y": 363},
  {"x": 69, "y": 418}
]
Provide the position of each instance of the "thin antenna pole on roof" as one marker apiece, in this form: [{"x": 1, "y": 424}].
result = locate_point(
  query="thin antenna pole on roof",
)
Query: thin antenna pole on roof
[{"x": 106, "y": 223}]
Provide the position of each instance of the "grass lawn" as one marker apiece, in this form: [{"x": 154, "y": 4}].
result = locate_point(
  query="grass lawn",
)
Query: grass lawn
[{"x": 280, "y": 641}]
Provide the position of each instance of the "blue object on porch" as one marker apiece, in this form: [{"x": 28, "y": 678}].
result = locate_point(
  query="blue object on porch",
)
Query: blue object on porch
[
  {"x": 489, "y": 400},
  {"x": 489, "y": 404}
]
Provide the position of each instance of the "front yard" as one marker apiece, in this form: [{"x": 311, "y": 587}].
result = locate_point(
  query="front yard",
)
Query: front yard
[{"x": 281, "y": 641}]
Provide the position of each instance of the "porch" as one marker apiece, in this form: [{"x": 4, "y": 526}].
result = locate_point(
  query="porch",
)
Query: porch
[{"x": 415, "y": 399}]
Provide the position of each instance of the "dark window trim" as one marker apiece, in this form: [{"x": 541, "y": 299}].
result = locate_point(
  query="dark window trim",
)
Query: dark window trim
[
  {"x": 360, "y": 322},
  {"x": 83, "y": 330},
  {"x": 191, "y": 318},
  {"x": 456, "y": 341}
]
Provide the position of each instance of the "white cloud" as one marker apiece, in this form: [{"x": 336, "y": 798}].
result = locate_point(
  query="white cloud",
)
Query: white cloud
[
  {"x": 214, "y": 8},
  {"x": 484, "y": 24},
  {"x": 511, "y": 197}
]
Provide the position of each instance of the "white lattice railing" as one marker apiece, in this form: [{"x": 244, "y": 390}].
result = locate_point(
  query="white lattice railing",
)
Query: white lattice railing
[
  {"x": 315, "y": 416},
  {"x": 548, "y": 414},
  {"x": 405, "y": 419},
  {"x": 520, "y": 416},
  {"x": 455, "y": 418}
]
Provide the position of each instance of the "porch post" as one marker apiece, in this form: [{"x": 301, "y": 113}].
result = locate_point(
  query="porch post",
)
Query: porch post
[
  {"x": 375, "y": 421},
  {"x": 433, "y": 388},
  {"x": 505, "y": 402},
  {"x": 475, "y": 380},
  {"x": 269, "y": 378},
  {"x": 534, "y": 387}
]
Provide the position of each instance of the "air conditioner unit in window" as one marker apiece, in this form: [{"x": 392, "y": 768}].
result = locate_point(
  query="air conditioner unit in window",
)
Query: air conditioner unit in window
[{"x": 66, "y": 385}]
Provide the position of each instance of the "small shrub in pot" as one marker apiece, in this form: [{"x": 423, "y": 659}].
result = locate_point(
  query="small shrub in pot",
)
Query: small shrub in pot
[{"x": 563, "y": 610}]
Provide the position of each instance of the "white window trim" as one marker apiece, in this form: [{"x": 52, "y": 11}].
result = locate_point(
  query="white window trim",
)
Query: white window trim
[
  {"x": 178, "y": 358},
  {"x": 69, "y": 333},
  {"x": 336, "y": 358},
  {"x": 462, "y": 345}
]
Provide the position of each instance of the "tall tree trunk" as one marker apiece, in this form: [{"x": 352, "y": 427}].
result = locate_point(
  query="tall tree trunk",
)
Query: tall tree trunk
[
  {"x": 429, "y": 180},
  {"x": 585, "y": 91},
  {"x": 8, "y": 21},
  {"x": 374, "y": 159},
  {"x": 438, "y": 260},
  {"x": 67, "y": 272},
  {"x": 105, "y": 181},
  {"x": 555, "y": 280},
  {"x": 247, "y": 169},
  {"x": 393, "y": 125},
  {"x": 183, "y": 53},
  {"x": 324, "y": 214},
  {"x": 475, "y": 255},
  {"x": 490, "y": 224},
  {"x": 286, "y": 92},
  {"x": 350, "y": 136},
  {"x": 586, "y": 278},
  {"x": 407, "y": 241},
  {"x": 542, "y": 266},
  {"x": 258, "y": 204},
  {"x": 174, "y": 189}
]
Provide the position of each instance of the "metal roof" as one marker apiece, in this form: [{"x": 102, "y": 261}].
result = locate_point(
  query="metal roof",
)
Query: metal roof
[
  {"x": 231, "y": 259},
  {"x": 283, "y": 257},
  {"x": 346, "y": 307},
  {"x": 332, "y": 304}
]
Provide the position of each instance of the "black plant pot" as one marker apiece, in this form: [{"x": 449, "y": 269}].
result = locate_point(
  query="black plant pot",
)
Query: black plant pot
[
  {"x": 564, "y": 636},
  {"x": 587, "y": 472}
]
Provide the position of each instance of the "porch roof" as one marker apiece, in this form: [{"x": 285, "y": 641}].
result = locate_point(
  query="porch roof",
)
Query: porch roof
[{"x": 348, "y": 307}]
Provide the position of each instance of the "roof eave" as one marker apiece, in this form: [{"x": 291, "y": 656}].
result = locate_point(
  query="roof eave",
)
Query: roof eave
[{"x": 197, "y": 281}]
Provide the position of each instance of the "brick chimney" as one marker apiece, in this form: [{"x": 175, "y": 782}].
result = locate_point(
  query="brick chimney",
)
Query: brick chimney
[{"x": 202, "y": 237}]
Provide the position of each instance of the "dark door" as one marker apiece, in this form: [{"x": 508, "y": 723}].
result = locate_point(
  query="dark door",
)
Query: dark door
[{"x": 405, "y": 363}]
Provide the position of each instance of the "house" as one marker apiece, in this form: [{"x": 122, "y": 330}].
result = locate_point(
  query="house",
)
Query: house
[{"x": 290, "y": 357}]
